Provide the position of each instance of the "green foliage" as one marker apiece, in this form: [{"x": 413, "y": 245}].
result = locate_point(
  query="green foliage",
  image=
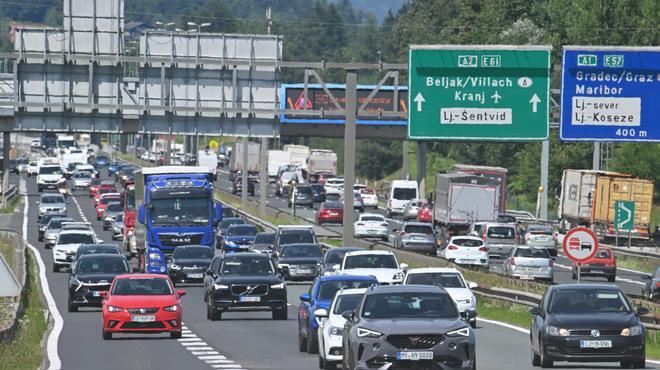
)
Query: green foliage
[{"x": 639, "y": 159}]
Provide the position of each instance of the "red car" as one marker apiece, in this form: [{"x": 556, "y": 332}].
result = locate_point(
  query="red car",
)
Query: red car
[
  {"x": 94, "y": 187},
  {"x": 603, "y": 264},
  {"x": 330, "y": 212},
  {"x": 425, "y": 213},
  {"x": 103, "y": 189},
  {"x": 97, "y": 185},
  {"x": 103, "y": 202},
  {"x": 142, "y": 303}
]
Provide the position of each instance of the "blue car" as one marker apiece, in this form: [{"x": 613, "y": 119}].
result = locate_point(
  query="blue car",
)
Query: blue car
[
  {"x": 321, "y": 295},
  {"x": 155, "y": 262},
  {"x": 239, "y": 238},
  {"x": 114, "y": 167},
  {"x": 102, "y": 160},
  {"x": 318, "y": 193}
]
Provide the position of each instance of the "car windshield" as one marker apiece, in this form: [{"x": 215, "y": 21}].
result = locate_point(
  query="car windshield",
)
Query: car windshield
[
  {"x": 404, "y": 193},
  {"x": 84, "y": 174},
  {"x": 335, "y": 256},
  {"x": 372, "y": 218},
  {"x": 501, "y": 232},
  {"x": 141, "y": 286},
  {"x": 52, "y": 200},
  {"x": 532, "y": 253},
  {"x": 464, "y": 242},
  {"x": 114, "y": 207},
  {"x": 301, "y": 251},
  {"x": 246, "y": 266},
  {"x": 540, "y": 231},
  {"x": 346, "y": 302},
  {"x": 328, "y": 289},
  {"x": 174, "y": 211},
  {"x": 443, "y": 279},
  {"x": 409, "y": 305},
  {"x": 418, "y": 229},
  {"x": 225, "y": 224},
  {"x": 107, "y": 190},
  {"x": 56, "y": 223},
  {"x": 603, "y": 253},
  {"x": 101, "y": 265},
  {"x": 304, "y": 190},
  {"x": 193, "y": 252},
  {"x": 265, "y": 238},
  {"x": 317, "y": 187},
  {"x": 101, "y": 158},
  {"x": 51, "y": 170},
  {"x": 100, "y": 249},
  {"x": 242, "y": 230},
  {"x": 108, "y": 200},
  {"x": 75, "y": 239},
  {"x": 567, "y": 301},
  {"x": 119, "y": 218},
  {"x": 371, "y": 261},
  {"x": 227, "y": 212},
  {"x": 506, "y": 219},
  {"x": 297, "y": 237}
]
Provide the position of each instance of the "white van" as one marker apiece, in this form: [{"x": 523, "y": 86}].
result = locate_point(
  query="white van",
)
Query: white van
[{"x": 400, "y": 193}]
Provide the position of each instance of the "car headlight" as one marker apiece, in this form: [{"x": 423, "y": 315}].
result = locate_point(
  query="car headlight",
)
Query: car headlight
[
  {"x": 282, "y": 266},
  {"x": 115, "y": 309},
  {"x": 632, "y": 331},
  {"x": 173, "y": 308},
  {"x": 57, "y": 251},
  {"x": 366, "y": 333},
  {"x": 175, "y": 267},
  {"x": 335, "y": 331},
  {"x": 277, "y": 286},
  {"x": 462, "y": 332},
  {"x": 398, "y": 276},
  {"x": 220, "y": 286},
  {"x": 556, "y": 332},
  {"x": 464, "y": 301}
]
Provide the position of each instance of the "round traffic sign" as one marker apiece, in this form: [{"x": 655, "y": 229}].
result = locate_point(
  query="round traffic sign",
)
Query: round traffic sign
[
  {"x": 580, "y": 244},
  {"x": 213, "y": 145}
]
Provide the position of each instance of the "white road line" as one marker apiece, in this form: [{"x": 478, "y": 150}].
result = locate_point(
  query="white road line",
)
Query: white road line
[
  {"x": 80, "y": 211},
  {"x": 198, "y": 353},
  {"x": 226, "y": 366},
  {"x": 189, "y": 339},
  {"x": 200, "y": 349},
  {"x": 193, "y": 344},
  {"x": 218, "y": 361},
  {"x": 212, "y": 358},
  {"x": 54, "y": 336}
]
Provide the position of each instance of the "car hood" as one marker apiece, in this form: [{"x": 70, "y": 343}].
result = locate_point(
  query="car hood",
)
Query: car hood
[
  {"x": 191, "y": 262},
  {"x": 52, "y": 205},
  {"x": 459, "y": 294},
  {"x": 239, "y": 239},
  {"x": 300, "y": 260},
  {"x": 380, "y": 274},
  {"x": 68, "y": 247},
  {"x": 49, "y": 177},
  {"x": 413, "y": 325},
  {"x": 269, "y": 279},
  {"x": 142, "y": 301},
  {"x": 98, "y": 278},
  {"x": 589, "y": 321}
]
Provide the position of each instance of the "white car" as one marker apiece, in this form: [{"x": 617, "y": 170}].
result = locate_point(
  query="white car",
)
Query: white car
[
  {"x": 32, "y": 169},
  {"x": 334, "y": 187},
  {"x": 371, "y": 225},
  {"x": 332, "y": 324},
  {"x": 86, "y": 168},
  {"x": 452, "y": 280},
  {"x": 369, "y": 196},
  {"x": 380, "y": 264},
  {"x": 67, "y": 244},
  {"x": 466, "y": 250}
]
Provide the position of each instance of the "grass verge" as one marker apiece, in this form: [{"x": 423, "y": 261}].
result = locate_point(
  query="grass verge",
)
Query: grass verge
[
  {"x": 24, "y": 351},
  {"x": 647, "y": 265},
  {"x": 278, "y": 219},
  {"x": 7, "y": 251},
  {"x": 11, "y": 205}
]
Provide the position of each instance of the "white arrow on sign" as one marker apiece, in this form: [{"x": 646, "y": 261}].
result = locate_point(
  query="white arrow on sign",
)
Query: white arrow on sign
[
  {"x": 628, "y": 216},
  {"x": 419, "y": 99},
  {"x": 535, "y": 100}
]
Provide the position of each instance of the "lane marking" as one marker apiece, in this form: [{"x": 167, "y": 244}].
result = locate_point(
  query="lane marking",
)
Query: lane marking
[
  {"x": 617, "y": 279},
  {"x": 54, "y": 361},
  {"x": 203, "y": 351},
  {"x": 213, "y": 358},
  {"x": 80, "y": 211}
]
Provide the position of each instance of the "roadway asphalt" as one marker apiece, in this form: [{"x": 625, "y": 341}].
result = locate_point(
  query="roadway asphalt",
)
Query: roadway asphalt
[{"x": 238, "y": 341}]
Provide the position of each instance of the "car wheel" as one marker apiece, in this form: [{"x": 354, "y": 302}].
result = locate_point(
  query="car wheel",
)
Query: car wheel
[
  {"x": 280, "y": 314},
  {"x": 545, "y": 363},
  {"x": 321, "y": 362},
  {"x": 473, "y": 323},
  {"x": 302, "y": 342},
  {"x": 98, "y": 218},
  {"x": 329, "y": 365},
  {"x": 175, "y": 334},
  {"x": 611, "y": 279},
  {"x": 56, "y": 268},
  {"x": 105, "y": 228},
  {"x": 385, "y": 239},
  {"x": 536, "y": 359},
  {"x": 312, "y": 341},
  {"x": 211, "y": 313},
  {"x": 71, "y": 307},
  {"x": 574, "y": 276},
  {"x": 106, "y": 335},
  {"x": 206, "y": 296},
  {"x": 40, "y": 238}
]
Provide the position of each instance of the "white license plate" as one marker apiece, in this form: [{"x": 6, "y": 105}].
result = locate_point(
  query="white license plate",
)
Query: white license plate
[
  {"x": 595, "y": 344},
  {"x": 465, "y": 260},
  {"x": 415, "y": 356},
  {"x": 143, "y": 318},
  {"x": 195, "y": 276},
  {"x": 250, "y": 299},
  {"x": 526, "y": 277},
  {"x": 302, "y": 271},
  {"x": 96, "y": 294}
]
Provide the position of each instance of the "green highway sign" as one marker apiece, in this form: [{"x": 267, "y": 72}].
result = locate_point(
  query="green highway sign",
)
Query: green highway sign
[
  {"x": 624, "y": 215},
  {"x": 467, "y": 92}
]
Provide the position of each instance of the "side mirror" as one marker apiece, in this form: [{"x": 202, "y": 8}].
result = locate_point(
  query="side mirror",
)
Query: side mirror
[
  {"x": 641, "y": 311},
  {"x": 404, "y": 266},
  {"x": 535, "y": 311},
  {"x": 469, "y": 314},
  {"x": 99, "y": 241},
  {"x": 336, "y": 267},
  {"x": 348, "y": 315},
  {"x": 136, "y": 270},
  {"x": 321, "y": 313},
  {"x": 141, "y": 214},
  {"x": 104, "y": 294},
  {"x": 473, "y": 285},
  {"x": 305, "y": 297},
  {"x": 180, "y": 293},
  {"x": 209, "y": 272},
  {"x": 395, "y": 231},
  {"x": 647, "y": 277}
]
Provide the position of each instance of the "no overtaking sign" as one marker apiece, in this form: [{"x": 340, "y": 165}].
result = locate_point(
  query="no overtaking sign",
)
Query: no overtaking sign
[{"x": 580, "y": 245}]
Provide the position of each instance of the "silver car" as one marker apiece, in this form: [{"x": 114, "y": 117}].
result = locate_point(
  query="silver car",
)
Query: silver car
[
  {"x": 529, "y": 264},
  {"x": 118, "y": 228},
  {"x": 417, "y": 236},
  {"x": 81, "y": 180},
  {"x": 500, "y": 238},
  {"x": 53, "y": 229},
  {"x": 411, "y": 209},
  {"x": 541, "y": 236},
  {"x": 52, "y": 203},
  {"x": 111, "y": 211}
]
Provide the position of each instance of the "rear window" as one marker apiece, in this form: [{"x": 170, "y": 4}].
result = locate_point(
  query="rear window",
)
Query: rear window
[
  {"x": 532, "y": 253},
  {"x": 332, "y": 205},
  {"x": 404, "y": 193},
  {"x": 418, "y": 229},
  {"x": 603, "y": 253},
  {"x": 501, "y": 232},
  {"x": 467, "y": 242}
]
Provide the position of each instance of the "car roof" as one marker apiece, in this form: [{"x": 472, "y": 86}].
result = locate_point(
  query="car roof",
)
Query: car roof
[
  {"x": 347, "y": 277},
  {"x": 110, "y": 195},
  {"x": 371, "y": 215},
  {"x": 404, "y": 184},
  {"x": 99, "y": 245},
  {"x": 405, "y": 289},
  {"x": 237, "y": 226},
  {"x": 300, "y": 245},
  {"x": 369, "y": 252},
  {"x": 465, "y": 237},
  {"x": 246, "y": 254},
  {"x": 417, "y": 223},
  {"x": 266, "y": 233},
  {"x": 102, "y": 255},
  {"x": 45, "y": 195},
  {"x": 351, "y": 291},
  {"x": 232, "y": 219},
  {"x": 586, "y": 287},
  {"x": 78, "y": 231},
  {"x": 141, "y": 276},
  {"x": 425, "y": 270},
  {"x": 498, "y": 224}
]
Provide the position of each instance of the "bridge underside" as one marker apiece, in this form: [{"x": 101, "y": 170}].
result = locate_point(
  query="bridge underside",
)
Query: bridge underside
[{"x": 388, "y": 132}]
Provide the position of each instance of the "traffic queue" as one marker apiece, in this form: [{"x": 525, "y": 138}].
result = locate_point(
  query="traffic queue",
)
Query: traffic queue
[{"x": 364, "y": 308}]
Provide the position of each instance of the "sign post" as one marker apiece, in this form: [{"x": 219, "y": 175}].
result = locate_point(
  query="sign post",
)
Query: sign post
[
  {"x": 610, "y": 94},
  {"x": 471, "y": 92},
  {"x": 580, "y": 245},
  {"x": 624, "y": 218}
]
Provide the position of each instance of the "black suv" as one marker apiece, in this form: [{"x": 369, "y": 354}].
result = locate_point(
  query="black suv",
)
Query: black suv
[
  {"x": 300, "y": 261},
  {"x": 91, "y": 275},
  {"x": 244, "y": 282},
  {"x": 293, "y": 235}
]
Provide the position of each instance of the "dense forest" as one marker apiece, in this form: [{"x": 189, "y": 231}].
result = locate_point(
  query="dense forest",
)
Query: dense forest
[{"x": 337, "y": 31}]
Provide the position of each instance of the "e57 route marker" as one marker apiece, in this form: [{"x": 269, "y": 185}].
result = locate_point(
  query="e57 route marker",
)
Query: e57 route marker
[
  {"x": 580, "y": 245},
  {"x": 610, "y": 94},
  {"x": 473, "y": 92}
]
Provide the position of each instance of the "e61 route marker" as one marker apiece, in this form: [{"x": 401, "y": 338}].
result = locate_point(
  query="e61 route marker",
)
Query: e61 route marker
[
  {"x": 479, "y": 92},
  {"x": 580, "y": 245}
]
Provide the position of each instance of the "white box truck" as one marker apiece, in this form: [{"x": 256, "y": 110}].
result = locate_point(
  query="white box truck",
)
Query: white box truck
[
  {"x": 299, "y": 155},
  {"x": 237, "y": 157},
  {"x": 322, "y": 161},
  {"x": 208, "y": 159},
  {"x": 276, "y": 159}
]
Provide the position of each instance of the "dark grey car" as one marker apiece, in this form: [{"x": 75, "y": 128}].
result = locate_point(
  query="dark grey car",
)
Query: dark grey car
[
  {"x": 407, "y": 326},
  {"x": 416, "y": 236}
]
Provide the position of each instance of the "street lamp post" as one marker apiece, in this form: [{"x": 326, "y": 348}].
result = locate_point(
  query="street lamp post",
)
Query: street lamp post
[{"x": 199, "y": 26}]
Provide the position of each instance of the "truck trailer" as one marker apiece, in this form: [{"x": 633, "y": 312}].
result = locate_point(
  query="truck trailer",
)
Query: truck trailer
[{"x": 235, "y": 162}]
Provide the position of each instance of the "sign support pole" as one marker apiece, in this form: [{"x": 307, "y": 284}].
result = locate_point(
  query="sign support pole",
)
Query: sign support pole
[
  {"x": 579, "y": 270},
  {"x": 245, "y": 173},
  {"x": 629, "y": 238},
  {"x": 616, "y": 237},
  {"x": 349, "y": 155}
]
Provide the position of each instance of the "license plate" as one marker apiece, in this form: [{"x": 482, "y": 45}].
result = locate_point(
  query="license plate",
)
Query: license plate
[
  {"x": 595, "y": 344},
  {"x": 142, "y": 318},
  {"x": 96, "y": 294},
  {"x": 302, "y": 271},
  {"x": 195, "y": 276},
  {"x": 415, "y": 356},
  {"x": 465, "y": 261},
  {"x": 250, "y": 299},
  {"x": 526, "y": 277}
]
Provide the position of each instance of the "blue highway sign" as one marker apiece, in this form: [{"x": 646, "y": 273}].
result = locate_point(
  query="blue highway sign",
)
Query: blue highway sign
[{"x": 610, "y": 94}]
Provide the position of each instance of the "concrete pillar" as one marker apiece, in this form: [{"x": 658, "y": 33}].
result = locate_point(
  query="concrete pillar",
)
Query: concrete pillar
[
  {"x": 421, "y": 168},
  {"x": 6, "y": 147},
  {"x": 123, "y": 143},
  {"x": 168, "y": 150},
  {"x": 263, "y": 176},
  {"x": 244, "y": 174},
  {"x": 405, "y": 172},
  {"x": 545, "y": 164},
  {"x": 349, "y": 155},
  {"x": 596, "y": 158}
]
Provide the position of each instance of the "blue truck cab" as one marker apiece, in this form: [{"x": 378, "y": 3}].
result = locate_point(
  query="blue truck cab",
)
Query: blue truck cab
[{"x": 177, "y": 209}]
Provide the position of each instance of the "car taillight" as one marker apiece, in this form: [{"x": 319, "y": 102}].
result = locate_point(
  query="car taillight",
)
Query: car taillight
[
  {"x": 657, "y": 284},
  {"x": 483, "y": 236},
  {"x": 483, "y": 249},
  {"x": 528, "y": 237},
  {"x": 554, "y": 236},
  {"x": 550, "y": 263},
  {"x": 513, "y": 261},
  {"x": 452, "y": 248}
]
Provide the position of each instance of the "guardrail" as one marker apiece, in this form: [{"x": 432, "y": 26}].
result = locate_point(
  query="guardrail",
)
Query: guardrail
[
  {"x": 11, "y": 192},
  {"x": 20, "y": 270}
]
